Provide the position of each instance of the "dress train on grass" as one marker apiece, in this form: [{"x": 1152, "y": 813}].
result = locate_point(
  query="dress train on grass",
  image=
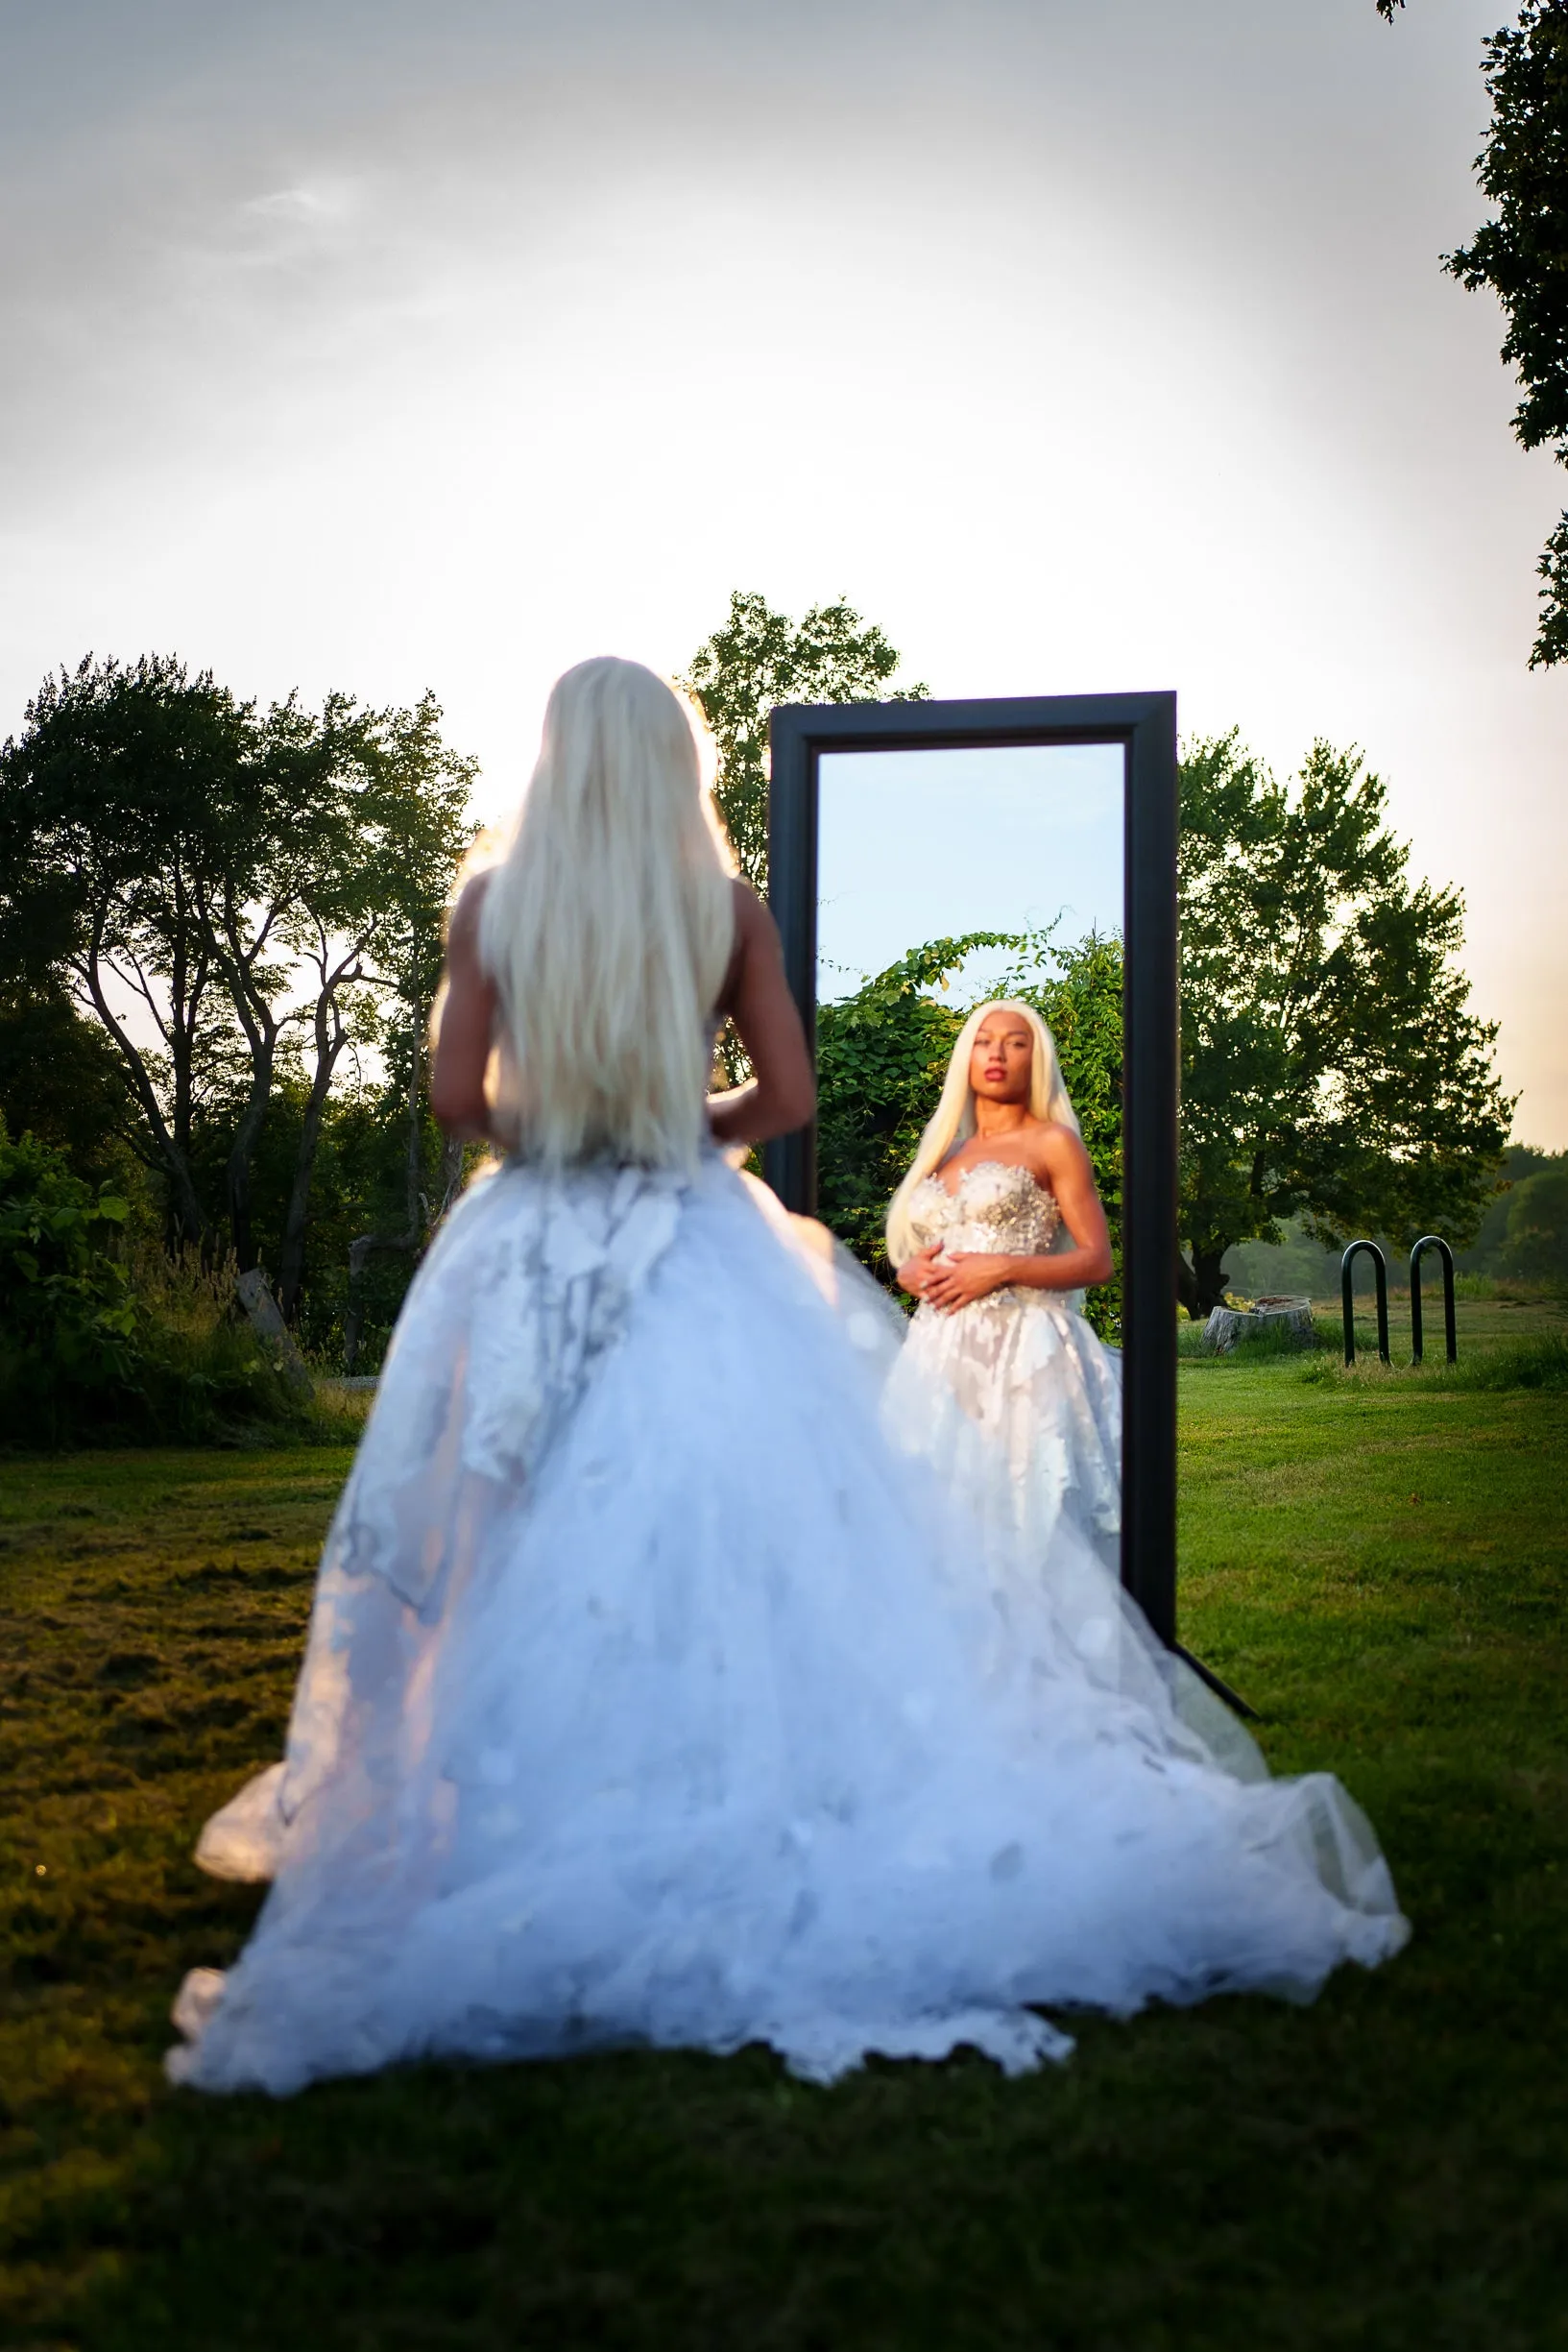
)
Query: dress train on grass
[{"x": 652, "y": 1695}]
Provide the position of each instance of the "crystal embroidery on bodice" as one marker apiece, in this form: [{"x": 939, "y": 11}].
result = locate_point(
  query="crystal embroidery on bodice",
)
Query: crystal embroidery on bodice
[{"x": 995, "y": 1205}]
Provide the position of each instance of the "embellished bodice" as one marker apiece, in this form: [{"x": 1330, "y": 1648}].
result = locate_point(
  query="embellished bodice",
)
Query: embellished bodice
[{"x": 995, "y": 1205}]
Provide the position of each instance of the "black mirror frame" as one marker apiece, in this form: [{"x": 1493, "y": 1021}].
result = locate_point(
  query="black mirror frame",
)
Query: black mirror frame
[{"x": 1144, "y": 725}]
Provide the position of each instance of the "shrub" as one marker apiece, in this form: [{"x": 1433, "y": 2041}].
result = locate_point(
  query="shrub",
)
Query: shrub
[
  {"x": 94, "y": 1348},
  {"x": 69, "y": 1319}
]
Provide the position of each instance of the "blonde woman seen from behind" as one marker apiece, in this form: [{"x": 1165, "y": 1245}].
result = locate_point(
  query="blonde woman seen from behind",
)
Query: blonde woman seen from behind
[{"x": 650, "y": 1697}]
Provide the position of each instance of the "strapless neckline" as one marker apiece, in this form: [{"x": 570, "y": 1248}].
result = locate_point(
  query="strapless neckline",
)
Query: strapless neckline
[
  {"x": 995, "y": 1204},
  {"x": 999, "y": 1167}
]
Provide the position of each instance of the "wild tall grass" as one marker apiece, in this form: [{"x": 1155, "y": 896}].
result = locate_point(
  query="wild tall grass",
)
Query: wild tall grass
[{"x": 197, "y": 1374}]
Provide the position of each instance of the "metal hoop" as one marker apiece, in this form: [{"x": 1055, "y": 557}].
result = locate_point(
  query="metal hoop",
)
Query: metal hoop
[
  {"x": 1432, "y": 1241},
  {"x": 1380, "y": 1271}
]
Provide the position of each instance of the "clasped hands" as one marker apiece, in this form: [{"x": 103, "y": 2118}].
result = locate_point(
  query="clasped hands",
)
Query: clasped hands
[{"x": 955, "y": 1281}]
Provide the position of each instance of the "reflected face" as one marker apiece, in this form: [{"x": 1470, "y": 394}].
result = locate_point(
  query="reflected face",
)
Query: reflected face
[{"x": 1001, "y": 1058}]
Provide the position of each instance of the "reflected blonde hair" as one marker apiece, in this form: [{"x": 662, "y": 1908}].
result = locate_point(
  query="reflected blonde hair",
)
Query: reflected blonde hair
[
  {"x": 608, "y": 927},
  {"x": 952, "y": 1122}
]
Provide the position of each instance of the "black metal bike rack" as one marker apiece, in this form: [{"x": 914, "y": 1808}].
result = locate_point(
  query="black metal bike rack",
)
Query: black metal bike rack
[
  {"x": 1379, "y": 1271},
  {"x": 1432, "y": 1241}
]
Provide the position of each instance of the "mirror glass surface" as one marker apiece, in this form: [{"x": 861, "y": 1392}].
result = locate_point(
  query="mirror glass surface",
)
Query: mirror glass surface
[
  {"x": 919, "y": 845},
  {"x": 927, "y": 846}
]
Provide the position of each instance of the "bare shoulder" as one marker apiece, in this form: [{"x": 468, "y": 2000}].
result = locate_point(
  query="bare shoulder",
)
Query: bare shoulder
[
  {"x": 463, "y": 926},
  {"x": 1056, "y": 1151},
  {"x": 470, "y": 899},
  {"x": 751, "y": 919},
  {"x": 756, "y": 946}
]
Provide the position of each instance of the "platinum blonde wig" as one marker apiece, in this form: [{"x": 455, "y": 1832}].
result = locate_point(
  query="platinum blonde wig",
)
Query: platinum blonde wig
[
  {"x": 608, "y": 927},
  {"x": 952, "y": 1122}
]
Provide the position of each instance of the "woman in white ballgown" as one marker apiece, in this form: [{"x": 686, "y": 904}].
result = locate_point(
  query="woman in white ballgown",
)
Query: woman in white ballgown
[
  {"x": 650, "y": 1695},
  {"x": 997, "y": 1230}
]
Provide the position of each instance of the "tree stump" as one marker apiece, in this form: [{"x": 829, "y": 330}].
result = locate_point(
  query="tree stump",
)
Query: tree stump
[
  {"x": 267, "y": 1324},
  {"x": 1293, "y": 1318}
]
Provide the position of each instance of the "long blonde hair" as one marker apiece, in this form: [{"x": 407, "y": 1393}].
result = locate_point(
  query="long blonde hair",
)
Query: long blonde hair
[
  {"x": 952, "y": 1122},
  {"x": 608, "y": 926}
]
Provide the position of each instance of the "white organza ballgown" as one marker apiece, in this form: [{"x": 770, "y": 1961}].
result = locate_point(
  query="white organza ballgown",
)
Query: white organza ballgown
[
  {"x": 1017, "y": 1405},
  {"x": 651, "y": 1696}
]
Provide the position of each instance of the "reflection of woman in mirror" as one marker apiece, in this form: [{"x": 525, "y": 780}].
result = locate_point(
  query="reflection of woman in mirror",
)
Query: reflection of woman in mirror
[{"x": 997, "y": 1230}]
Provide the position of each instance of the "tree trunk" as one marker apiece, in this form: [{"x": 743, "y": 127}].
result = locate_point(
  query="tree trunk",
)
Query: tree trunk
[
  {"x": 1209, "y": 1275},
  {"x": 189, "y": 1223},
  {"x": 239, "y": 965},
  {"x": 1187, "y": 1288},
  {"x": 242, "y": 1152},
  {"x": 329, "y": 1044},
  {"x": 270, "y": 1328},
  {"x": 360, "y": 1251}
]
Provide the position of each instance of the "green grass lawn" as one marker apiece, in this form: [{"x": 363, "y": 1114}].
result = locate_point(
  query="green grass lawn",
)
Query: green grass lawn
[{"x": 1379, "y": 1564}]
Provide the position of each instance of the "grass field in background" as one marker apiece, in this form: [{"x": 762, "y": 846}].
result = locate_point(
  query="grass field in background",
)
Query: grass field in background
[{"x": 1379, "y": 1564}]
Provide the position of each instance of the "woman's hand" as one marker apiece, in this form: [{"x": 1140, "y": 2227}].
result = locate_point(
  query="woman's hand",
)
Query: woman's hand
[
  {"x": 915, "y": 1273},
  {"x": 965, "y": 1275}
]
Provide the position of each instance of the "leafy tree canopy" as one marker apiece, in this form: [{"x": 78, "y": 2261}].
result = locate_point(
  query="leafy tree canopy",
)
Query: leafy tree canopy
[
  {"x": 760, "y": 658},
  {"x": 1330, "y": 1066},
  {"x": 1522, "y": 253},
  {"x": 222, "y": 872},
  {"x": 60, "y": 1080},
  {"x": 124, "y": 804}
]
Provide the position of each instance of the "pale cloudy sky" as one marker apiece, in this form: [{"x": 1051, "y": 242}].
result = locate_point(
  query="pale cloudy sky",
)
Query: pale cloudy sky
[{"x": 1084, "y": 344}]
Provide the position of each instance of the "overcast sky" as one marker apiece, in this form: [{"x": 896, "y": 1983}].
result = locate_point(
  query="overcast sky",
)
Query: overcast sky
[{"x": 1083, "y": 346}]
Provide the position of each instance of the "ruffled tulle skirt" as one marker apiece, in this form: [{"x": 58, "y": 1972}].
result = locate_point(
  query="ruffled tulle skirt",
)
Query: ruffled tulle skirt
[
  {"x": 653, "y": 1696},
  {"x": 1016, "y": 1406}
]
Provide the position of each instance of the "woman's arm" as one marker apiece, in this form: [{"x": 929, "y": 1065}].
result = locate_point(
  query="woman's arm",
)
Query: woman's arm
[
  {"x": 783, "y": 1095},
  {"x": 466, "y": 1033},
  {"x": 1059, "y": 1162}
]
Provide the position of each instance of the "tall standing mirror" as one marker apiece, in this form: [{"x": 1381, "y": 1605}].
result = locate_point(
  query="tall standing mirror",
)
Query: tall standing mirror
[{"x": 927, "y": 857}]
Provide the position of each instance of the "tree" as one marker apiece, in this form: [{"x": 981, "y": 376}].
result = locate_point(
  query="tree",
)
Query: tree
[
  {"x": 60, "y": 1080},
  {"x": 255, "y": 910},
  {"x": 1536, "y": 1243},
  {"x": 413, "y": 956},
  {"x": 1331, "y": 1067},
  {"x": 122, "y": 804},
  {"x": 760, "y": 658},
  {"x": 235, "y": 873},
  {"x": 1485, "y": 1252},
  {"x": 360, "y": 886},
  {"x": 1521, "y": 255}
]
